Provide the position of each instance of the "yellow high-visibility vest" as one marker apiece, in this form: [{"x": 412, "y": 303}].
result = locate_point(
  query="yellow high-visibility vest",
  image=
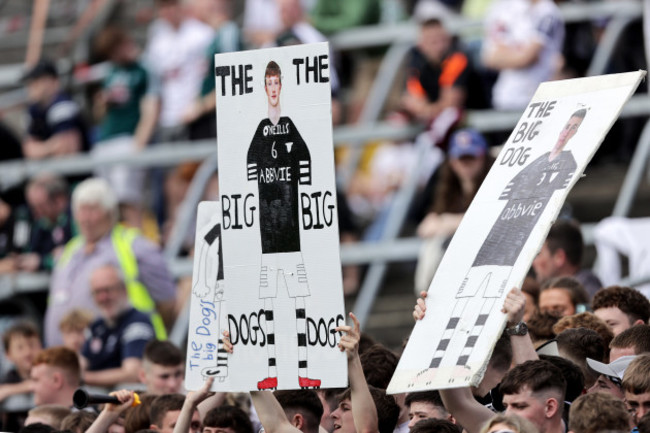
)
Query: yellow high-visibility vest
[{"x": 122, "y": 239}]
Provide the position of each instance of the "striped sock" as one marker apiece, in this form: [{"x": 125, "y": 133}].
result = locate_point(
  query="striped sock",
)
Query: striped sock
[
  {"x": 448, "y": 333},
  {"x": 270, "y": 336},
  {"x": 301, "y": 327},
  {"x": 479, "y": 324}
]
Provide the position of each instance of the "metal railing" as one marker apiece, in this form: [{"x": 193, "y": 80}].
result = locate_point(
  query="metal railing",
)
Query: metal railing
[
  {"x": 389, "y": 248},
  {"x": 382, "y": 35}
]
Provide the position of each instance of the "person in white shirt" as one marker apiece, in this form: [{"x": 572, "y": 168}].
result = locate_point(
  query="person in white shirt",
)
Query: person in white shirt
[
  {"x": 175, "y": 56},
  {"x": 523, "y": 42}
]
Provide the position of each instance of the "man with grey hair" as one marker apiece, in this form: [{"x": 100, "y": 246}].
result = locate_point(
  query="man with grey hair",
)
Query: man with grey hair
[{"x": 103, "y": 240}]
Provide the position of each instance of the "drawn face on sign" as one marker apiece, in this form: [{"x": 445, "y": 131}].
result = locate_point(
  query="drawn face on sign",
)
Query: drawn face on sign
[
  {"x": 273, "y": 86},
  {"x": 569, "y": 130}
]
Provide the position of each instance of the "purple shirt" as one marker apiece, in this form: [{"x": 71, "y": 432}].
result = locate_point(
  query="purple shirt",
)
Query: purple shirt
[{"x": 70, "y": 284}]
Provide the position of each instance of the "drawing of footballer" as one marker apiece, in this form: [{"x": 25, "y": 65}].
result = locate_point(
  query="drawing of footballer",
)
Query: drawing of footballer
[
  {"x": 209, "y": 285},
  {"x": 279, "y": 160},
  {"x": 527, "y": 194}
]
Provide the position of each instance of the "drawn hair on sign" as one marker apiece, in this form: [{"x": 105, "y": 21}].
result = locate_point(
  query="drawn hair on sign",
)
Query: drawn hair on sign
[
  {"x": 272, "y": 70},
  {"x": 581, "y": 113}
]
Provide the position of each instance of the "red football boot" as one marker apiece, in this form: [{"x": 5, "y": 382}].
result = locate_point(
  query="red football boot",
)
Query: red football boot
[
  {"x": 307, "y": 383},
  {"x": 269, "y": 383}
]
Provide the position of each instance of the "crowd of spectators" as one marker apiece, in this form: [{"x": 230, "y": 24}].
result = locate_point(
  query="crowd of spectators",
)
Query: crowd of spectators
[
  {"x": 581, "y": 365},
  {"x": 587, "y": 378}
]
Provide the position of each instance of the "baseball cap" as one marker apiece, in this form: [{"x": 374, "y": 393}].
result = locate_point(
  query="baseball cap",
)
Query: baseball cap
[
  {"x": 467, "y": 142},
  {"x": 615, "y": 368},
  {"x": 430, "y": 10},
  {"x": 549, "y": 348},
  {"x": 43, "y": 68}
]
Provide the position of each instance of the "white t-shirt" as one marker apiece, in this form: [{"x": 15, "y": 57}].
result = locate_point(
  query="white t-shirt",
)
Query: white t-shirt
[
  {"x": 262, "y": 15},
  {"x": 178, "y": 60},
  {"x": 402, "y": 428},
  {"x": 517, "y": 23}
]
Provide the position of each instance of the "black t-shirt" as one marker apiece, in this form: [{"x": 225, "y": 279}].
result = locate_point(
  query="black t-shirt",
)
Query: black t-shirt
[
  {"x": 12, "y": 376},
  {"x": 279, "y": 160},
  {"x": 452, "y": 71},
  {"x": 108, "y": 346},
  {"x": 63, "y": 114},
  {"x": 527, "y": 193},
  {"x": 47, "y": 236}
]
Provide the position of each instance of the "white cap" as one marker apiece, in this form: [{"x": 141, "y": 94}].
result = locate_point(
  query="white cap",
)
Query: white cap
[
  {"x": 548, "y": 348},
  {"x": 427, "y": 10},
  {"x": 613, "y": 369}
]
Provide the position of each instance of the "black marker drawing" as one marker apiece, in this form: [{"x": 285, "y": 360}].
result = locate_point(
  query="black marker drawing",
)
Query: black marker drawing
[
  {"x": 279, "y": 160},
  {"x": 528, "y": 193},
  {"x": 210, "y": 286}
]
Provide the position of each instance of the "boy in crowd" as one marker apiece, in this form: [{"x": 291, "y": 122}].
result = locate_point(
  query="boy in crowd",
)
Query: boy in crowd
[
  {"x": 165, "y": 413},
  {"x": 563, "y": 296},
  {"x": 302, "y": 408},
  {"x": 74, "y": 328},
  {"x": 21, "y": 343},
  {"x": 533, "y": 390},
  {"x": 426, "y": 405},
  {"x": 636, "y": 385},
  {"x": 632, "y": 341},
  {"x": 48, "y": 414},
  {"x": 162, "y": 368},
  {"x": 561, "y": 256},
  {"x": 227, "y": 418},
  {"x": 56, "y": 375},
  {"x": 587, "y": 414},
  {"x": 621, "y": 307}
]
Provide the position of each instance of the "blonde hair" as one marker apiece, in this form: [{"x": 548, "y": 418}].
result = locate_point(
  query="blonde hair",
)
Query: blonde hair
[
  {"x": 515, "y": 422},
  {"x": 636, "y": 379},
  {"x": 598, "y": 411},
  {"x": 54, "y": 412},
  {"x": 76, "y": 320}
]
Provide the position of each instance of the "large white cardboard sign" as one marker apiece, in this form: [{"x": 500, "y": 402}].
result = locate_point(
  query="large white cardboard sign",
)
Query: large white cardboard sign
[
  {"x": 504, "y": 228},
  {"x": 282, "y": 268}
]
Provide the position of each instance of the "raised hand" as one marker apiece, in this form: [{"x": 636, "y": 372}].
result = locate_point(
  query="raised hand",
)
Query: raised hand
[
  {"x": 514, "y": 306},
  {"x": 227, "y": 345},
  {"x": 420, "y": 307},
  {"x": 350, "y": 341}
]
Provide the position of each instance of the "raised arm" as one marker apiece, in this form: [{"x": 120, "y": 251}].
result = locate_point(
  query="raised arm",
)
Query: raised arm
[
  {"x": 11, "y": 389},
  {"x": 514, "y": 307},
  {"x": 364, "y": 411},
  {"x": 112, "y": 412},
  {"x": 268, "y": 409},
  {"x": 190, "y": 404},
  {"x": 149, "y": 112},
  {"x": 271, "y": 414},
  {"x": 468, "y": 412}
]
